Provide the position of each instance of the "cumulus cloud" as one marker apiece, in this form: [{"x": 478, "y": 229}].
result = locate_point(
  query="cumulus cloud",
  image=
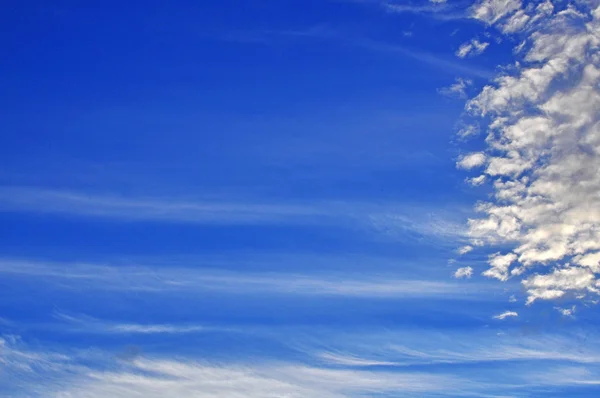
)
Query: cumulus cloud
[
  {"x": 464, "y": 272},
  {"x": 506, "y": 314},
  {"x": 471, "y": 160},
  {"x": 474, "y": 47},
  {"x": 476, "y": 181},
  {"x": 542, "y": 148},
  {"x": 500, "y": 265},
  {"x": 560, "y": 281}
]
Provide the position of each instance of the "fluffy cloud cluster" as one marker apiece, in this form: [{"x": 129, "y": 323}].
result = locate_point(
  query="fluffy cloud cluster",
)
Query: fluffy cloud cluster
[
  {"x": 464, "y": 272},
  {"x": 542, "y": 149}
]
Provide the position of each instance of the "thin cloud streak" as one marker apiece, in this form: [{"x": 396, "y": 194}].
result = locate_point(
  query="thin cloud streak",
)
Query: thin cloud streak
[
  {"x": 443, "y": 64},
  {"x": 404, "y": 348},
  {"x": 87, "y": 324},
  {"x": 439, "y": 11},
  {"x": 369, "y": 216},
  {"x": 93, "y": 373},
  {"x": 164, "y": 280},
  {"x": 99, "y": 375},
  {"x": 111, "y": 206},
  {"x": 446, "y": 65}
]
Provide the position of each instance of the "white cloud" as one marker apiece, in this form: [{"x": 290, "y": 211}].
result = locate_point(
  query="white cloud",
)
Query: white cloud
[
  {"x": 568, "y": 312},
  {"x": 477, "y": 181},
  {"x": 442, "y": 63},
  {"x": 99, "y": 375},
  {"x": 465, "y": 249},
  {"x": 500, "y": 265},
  {"x": 557, "y": 283},
  {"x": 464, "y": 272},
  {"x": 88, "y": 324},
  {"x": 343, "y": 369},
  {"x": 472, "y": 48},
  {"x": 370, "y": 217},
  {"x": 438, "y": 9},
  {"x": 506, "y": 314},
  {"x": 471, "y": 160},
  {"x": 440, "y": 225},
  {"x": 458, "y": 89},
  {"x": 164, "y": 279},
  {"x": 352, "y": 360},
  {"x": 468, "y": 131},
  {"x": 165, "y": 209},
  {"x": 543, "y": 148},
  {"x": 423, "y": 347},
  {"x": 516, "y": 22},
  {"x": 590, "y": 260},
  {"x": 491, "y": 11}
]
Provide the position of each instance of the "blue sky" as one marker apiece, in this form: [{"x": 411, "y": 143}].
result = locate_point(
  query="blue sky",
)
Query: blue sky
[{"x": 323, "y": 198}]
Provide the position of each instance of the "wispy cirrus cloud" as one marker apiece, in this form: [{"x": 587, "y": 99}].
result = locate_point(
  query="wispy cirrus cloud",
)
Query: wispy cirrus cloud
[
  {"x": 193, "y": 279},
  {"x": 437, "y": 9},
  {"x": 87, "y": 324},
  {"x": 97, "y": 373},
  {"x": 75, "y": 203},
  {"x": 458, "y": 89},
  {"x": 447, "y": 64},
  {"x": 506, "y": 314},
  {"x": 370, "y": 217},
  {"x": 405, "y": 348},
  {"x": 444, "y": 64}
]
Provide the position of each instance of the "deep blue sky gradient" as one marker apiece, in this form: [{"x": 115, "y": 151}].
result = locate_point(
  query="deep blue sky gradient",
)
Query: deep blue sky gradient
[{"x": 325, "y": 105}]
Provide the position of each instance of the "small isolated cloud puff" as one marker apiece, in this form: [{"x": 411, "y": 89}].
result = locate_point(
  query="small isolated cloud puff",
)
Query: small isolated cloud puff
[
  {"x": 471, "y": 161},
  {"x": 567, "y": 312},
  {"x": 506, "y": 314},
  {"x": 472, "y": 48},
  {"x": 464, "y": 272},
  {"x": 458, "y": 89},
  {"x": 476, "y": 181},
  {"x": 543, "y": 141},
  {"x": 465, "y": 249},
  {"x": 437, "y": 1}
]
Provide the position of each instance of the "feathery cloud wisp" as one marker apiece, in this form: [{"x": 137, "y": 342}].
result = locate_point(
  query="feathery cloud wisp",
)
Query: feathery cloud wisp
[
  {"x": 458, "y": 89},
  {"x": 506, "y": 314},
  {"x": 161, "y": 280},
  {"x": 471, "y": 48}
]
